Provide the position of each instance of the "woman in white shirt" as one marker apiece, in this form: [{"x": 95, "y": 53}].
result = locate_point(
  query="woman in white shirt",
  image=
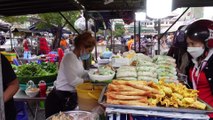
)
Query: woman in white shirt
[{"x": 71, "y": 73}]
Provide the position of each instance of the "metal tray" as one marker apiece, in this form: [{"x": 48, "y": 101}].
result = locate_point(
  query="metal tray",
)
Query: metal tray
[
  {"x": 102, "y": 101},
  {"x": 74, "y": 114}
]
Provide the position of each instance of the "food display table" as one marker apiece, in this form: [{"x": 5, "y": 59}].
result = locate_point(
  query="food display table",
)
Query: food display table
[{"x": 21, "y": 96}]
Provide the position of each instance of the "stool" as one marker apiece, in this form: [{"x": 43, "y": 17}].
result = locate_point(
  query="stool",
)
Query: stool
[{"x": 21, "y": 111}]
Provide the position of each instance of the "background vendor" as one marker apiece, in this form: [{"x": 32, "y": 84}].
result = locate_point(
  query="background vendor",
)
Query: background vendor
[
  {"x": 200, "y": 47},
  {"x": 71, "y": 73}
]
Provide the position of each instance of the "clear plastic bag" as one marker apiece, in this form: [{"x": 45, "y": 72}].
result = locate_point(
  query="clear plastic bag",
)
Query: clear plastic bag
[{"x": 81, "y": 24}]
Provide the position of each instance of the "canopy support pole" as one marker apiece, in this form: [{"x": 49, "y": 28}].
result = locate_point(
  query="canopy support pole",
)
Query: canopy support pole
[
  {"x": 159, "y": 27},
  {"x": 96, "y": 52},
  {"x": 112, "y": 41},
  {"x": 134, "y": 35},
  {"x": 68, "y": 22},
  {"x": 86, "y": 20},
  {"x": 139, "y": 35},
  {"x": 11, "y": 42}
]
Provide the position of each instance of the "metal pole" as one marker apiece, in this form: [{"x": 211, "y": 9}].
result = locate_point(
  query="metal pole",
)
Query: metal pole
[
  {"x": 2, "y": 112},
  {"x": 11, "y": 43},
  {"x": 86, "y": 20},
  {"x": 158, "y": 36},
  {"x": 174, "y": 22},
  {"x": 139, "y": 34},
  {"x": 112, "y": 47},
  {"x": 96, "y": 52},
  {"x": 68, "y": 22},
  {"x": 135, "y": 35}
]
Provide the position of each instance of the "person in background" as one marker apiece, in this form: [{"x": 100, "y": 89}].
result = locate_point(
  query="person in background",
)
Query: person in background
[
  {"x": 199, "y": 38},
  {"x": 155, "y": 44},
  {"x": 169, "y": 40},
  {"x": 2, "y": 39},
  {"x": 178, "y": 50},
  {"x": 63, "y": 43},
  {"x": 10, "y": 87},
  {"x": 109, "y": 40},
  {"x": 164, "y": 47},
  {"x": 71, "y": 41},
  {"x": 130, "y": 42},
  {"x": 140, "y": 45},
  {"x": 123, "y": 40},
  {"x": 70, "y": 74},
  {"x": 26, "y": 44},
  {"x": 43, "y": 45}
]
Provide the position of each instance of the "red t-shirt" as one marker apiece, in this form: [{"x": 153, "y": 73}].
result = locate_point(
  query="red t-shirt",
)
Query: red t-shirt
[
  {"x": 204, "y": 89},
  {"x": 43, "y": 45},
  {"x": 25, "y": 45}
]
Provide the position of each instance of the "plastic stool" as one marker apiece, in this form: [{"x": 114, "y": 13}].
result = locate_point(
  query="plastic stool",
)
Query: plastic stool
[{"x": 21, "y": 111}]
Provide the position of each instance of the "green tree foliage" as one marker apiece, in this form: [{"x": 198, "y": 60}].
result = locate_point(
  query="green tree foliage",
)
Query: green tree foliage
[
  {"x": 119, "y": 30},
  {"x": 49, "y": 19},
  {"x": 57, "y": 20},
  {"x": 15, "y": 19}
]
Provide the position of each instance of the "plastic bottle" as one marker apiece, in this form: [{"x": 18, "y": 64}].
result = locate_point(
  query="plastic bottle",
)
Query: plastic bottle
[{"x": 42, "y": 87}]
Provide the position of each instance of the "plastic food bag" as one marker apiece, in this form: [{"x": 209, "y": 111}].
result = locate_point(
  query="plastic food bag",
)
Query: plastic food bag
[{"x": 81, "y": 24}]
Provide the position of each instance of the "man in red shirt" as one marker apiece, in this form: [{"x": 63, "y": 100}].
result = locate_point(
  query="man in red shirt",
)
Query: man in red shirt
[
  {"x": 26, "y": 44},
  {"x": 43, "y": 45}
]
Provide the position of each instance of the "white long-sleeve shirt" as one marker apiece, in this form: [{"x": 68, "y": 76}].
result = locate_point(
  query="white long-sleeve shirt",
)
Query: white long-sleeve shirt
[{"x": 70, "y": 74}]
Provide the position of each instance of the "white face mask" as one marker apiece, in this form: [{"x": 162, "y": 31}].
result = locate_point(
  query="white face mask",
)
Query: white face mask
[{"x": 195, "y": 52}]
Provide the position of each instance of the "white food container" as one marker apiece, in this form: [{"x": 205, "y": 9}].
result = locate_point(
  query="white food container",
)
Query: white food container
[{"x": 100, "y": 78}]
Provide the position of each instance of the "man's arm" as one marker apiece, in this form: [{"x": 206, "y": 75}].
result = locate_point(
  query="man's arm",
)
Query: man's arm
[{"x": 11, "y": 90}]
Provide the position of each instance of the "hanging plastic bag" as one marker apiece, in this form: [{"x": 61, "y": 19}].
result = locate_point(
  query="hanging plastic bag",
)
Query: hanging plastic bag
[{"x": 80, "y": 24}]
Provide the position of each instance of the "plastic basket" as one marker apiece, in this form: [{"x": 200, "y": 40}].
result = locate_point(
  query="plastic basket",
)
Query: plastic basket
[{"x": 88, "y": 95}]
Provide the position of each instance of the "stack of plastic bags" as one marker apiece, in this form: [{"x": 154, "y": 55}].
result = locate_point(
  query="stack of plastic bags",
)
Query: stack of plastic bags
[
  {"x": 166, "y": 68},
  {"x": 127, "y": 73},
  {"x": 140, "y": 56},
  {"x": 146, "y": 70}
]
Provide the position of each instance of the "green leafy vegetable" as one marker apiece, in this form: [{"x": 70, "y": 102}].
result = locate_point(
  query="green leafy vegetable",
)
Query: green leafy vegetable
[{"x": 34, "y": 69}]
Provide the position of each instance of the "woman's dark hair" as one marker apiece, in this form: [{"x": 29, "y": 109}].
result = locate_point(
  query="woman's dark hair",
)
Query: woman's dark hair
[
  {"x": 180, "y": 38},
  {"x": 85, "y": 39}
]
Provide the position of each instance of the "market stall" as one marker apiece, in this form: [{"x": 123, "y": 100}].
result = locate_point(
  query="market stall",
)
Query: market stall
[
  {"x": 35, "y": 81},
  {"x": 27, "y": 7},
  {"x": 147, "y": 88}
]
